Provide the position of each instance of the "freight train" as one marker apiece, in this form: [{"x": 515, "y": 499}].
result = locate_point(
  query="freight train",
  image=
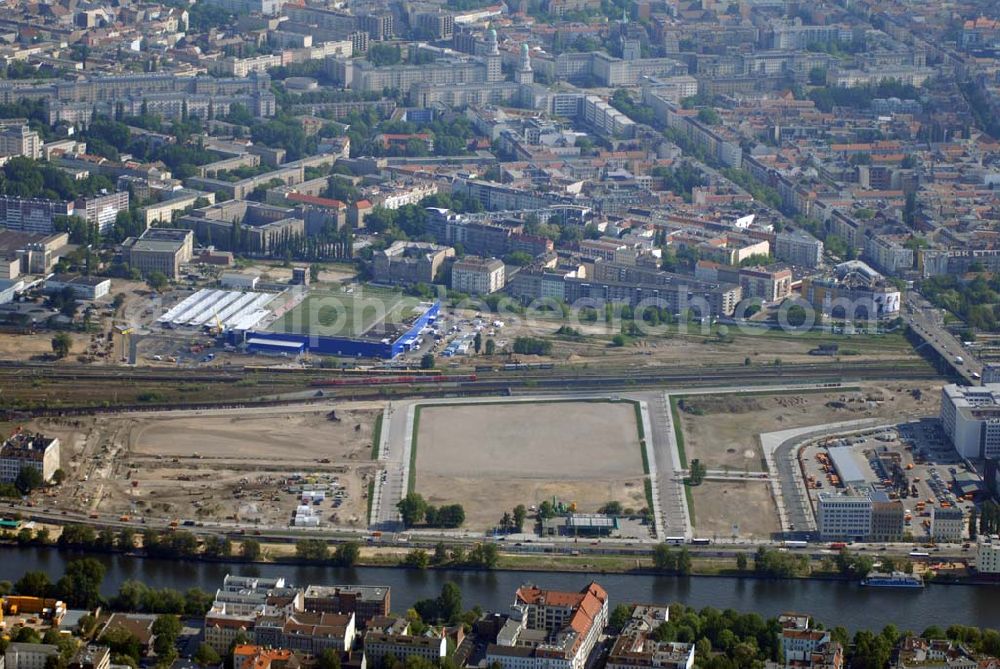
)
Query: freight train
[{"x": 393, "y": 380}]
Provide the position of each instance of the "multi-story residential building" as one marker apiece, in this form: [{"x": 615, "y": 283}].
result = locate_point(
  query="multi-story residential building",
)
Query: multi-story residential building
[
  {"x": 159, "y": 250},
  {"x": 21, "y": 655},
  {"x": 798, "y": 247},
  {"x": 364, "y": 601},
  {"x": 637, "y": 647},
  {"x": 380, "y": 644},
  {"x": 888, "y": 254},
  {"x": 25, "y": 449},
  {"x": 17, "y": 139},
  {"x": 32, "y": 215},
  {"x": 265, "y": 7},
  {"x": 804, "y": 647},
  {"x": 411, "y": 262},
  {"x": 888, "y": 518},
  {"x": 248, "y": 656},
  {"x": 477, "y": 276},
  {"x": 844, "y": 516},
  {"x": 970, "y": 416},
  {"x": 91, "y": 657},
  {"x": 550, "y": 629},
  {"x": 306, "y": 631},
  {"x": 988, "y": 554},
  {"x": 918, "y": 653},
  {"x": 102, "y": 210},
  {"x": 768, "y": 285},
  {"x": 856, "y": 291},
  {"x": 947, "y": 525}
]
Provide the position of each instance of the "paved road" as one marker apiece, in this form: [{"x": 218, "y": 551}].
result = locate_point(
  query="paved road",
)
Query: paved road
[
  {"x": 928, "y": 322},
  {"x": 669, "y": 476}
]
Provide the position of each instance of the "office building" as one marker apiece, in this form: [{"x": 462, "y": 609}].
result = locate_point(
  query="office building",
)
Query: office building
[
  {"x": 844, "y": 517},
  {"x": 159, "y": 250},
  {"x": 970, "y": 416},
  {"x": 83, "y": 287}
]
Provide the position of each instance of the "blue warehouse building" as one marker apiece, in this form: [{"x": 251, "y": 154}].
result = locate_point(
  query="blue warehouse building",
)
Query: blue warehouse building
[{"x": 381, "y": 341}]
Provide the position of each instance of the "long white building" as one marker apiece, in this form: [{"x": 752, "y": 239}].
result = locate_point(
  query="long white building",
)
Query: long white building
[{"x": 970, "y": 416}]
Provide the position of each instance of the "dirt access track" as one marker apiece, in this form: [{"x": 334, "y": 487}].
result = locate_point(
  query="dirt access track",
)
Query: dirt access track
[{"x": 492, "y": 457}]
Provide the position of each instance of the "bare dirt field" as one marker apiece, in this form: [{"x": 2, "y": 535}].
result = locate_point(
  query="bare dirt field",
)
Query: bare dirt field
[
  {"x": 238, "y": 465},
  {"x": 723, "y": 430},
  {"x": 493, "y": 457},
  {"x": 748, "y": 504}
]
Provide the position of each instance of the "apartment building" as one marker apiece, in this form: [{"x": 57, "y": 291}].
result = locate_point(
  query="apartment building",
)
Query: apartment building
[
  {"x": 637, "y": 648},
  {"x": 947, "y": 525},
  {"x": 550, "y": 629},
  {"x": 159, "y": 250},
  {"x": 988, "y": 554},
  {"x": 25, "y": 449},
  {"x": 21, "y": 655},
  {"x": 102, "y": 210},
  {"x": 379, "y": 644},
  {"x": 411, "y": 262},
  {"x": 17, "y": 139},
  {"x": 798, "y": 247},
  {"x": 767, "y": 285},
  {"x": 888, "y": 254},
  {"x": 804, "y": 647},
  {"x": 306, "y": 631},
  {"x": 32, "y": 215},
  {"x": 364, "y": 601},
  {"x": 91, "y": 657},
  {"x": 477, "y": 276}
]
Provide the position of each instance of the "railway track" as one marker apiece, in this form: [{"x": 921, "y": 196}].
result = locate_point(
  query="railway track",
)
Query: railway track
[{"x": 494, "y": 383}]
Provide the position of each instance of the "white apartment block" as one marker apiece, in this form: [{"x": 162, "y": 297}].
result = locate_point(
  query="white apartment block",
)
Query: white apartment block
[
  {"x": 28, "y": 655},
  {"x": 970, "y": 416},
  {"x": 844, "y": 516},
  {"x": 477, "y": 276},
  {"x": 28, "y": 450},
  {"x": 988, "y": 554},
  {"x": 947, "y": 524}
]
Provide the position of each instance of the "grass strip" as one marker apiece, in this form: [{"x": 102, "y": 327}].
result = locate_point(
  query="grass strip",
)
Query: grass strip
[
  {"x": 411, "y": 482},
  {"x": 377, "y": 435}
]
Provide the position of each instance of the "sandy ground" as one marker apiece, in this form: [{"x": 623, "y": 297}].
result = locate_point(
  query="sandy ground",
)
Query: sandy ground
[
  {"x": 727, "y": 434},
  {"x": 491, "y": 457},
  {"x": 222, "y": 466},
  {"x": 721, "y": 504}
]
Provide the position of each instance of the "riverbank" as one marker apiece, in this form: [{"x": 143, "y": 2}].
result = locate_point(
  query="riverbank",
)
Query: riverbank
[
  {"x": 388, "y": 557},
  {"x": 827, "y": 600}
]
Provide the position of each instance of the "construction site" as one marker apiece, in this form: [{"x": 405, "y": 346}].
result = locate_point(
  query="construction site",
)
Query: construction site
[{"x": 247, "y": 466}]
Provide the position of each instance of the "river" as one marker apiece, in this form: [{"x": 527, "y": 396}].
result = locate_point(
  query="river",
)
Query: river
[{"x": 830, "y": 602}]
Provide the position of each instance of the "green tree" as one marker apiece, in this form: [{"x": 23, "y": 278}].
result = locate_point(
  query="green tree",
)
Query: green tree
[
  {"x": 157, "y": 281},
  {"x": 491, "y": 347},
  {"x": 741, "y": 561},
  {"x": 80, "y": 586},
  {"x": 28, "y": 479},
  {"x": 207, "y": 657},
  {"x": 477, "y": 342},
  {"x": 450, "y": 602},
  {"x": 312, "y": 549},
  {"x": 250, "y": 550},
  {"x": 33, "y": 584},
  {"x": 519, "y": 516},
  {"x": 427, "y": 361},
  {"x": 328, "y": 659},
  {"x": 417, "y": 559},
  {"x": 61, "y": 345},
  {"x": 347, "y": 554},
  {"x": 619, "y": 617},
  {"x": 412, "y": 508}
]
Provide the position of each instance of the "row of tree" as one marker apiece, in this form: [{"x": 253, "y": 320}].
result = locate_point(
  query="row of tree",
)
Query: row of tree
[
  {"x": 415, "y": 511},
  {"x": 318, "y": 550}
]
